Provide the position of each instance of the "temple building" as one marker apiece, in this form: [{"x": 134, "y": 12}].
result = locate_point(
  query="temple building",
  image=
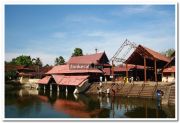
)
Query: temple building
[
  {"x": 134, "y": 71},
  {"x": 168, "y": 73},
  {"x": 152, "y": 61},
  {"x": 77, "y": 74}
]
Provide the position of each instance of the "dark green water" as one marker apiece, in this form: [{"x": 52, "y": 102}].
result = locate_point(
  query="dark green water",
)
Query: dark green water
[{"x": 37, "y": 104}]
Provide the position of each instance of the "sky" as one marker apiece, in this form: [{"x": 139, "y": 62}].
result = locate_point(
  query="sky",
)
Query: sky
[{"x": 49, "y": 31}]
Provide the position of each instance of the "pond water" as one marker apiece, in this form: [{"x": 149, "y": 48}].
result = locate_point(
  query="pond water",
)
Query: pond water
[{"x": 40, "y": 104}]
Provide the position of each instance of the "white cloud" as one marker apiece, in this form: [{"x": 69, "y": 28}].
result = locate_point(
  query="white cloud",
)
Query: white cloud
[
  {"x": 111, "y": 41},
  {"x": 84, "y": 19},
  {"x": 59, "y": 34},
  {"x": 138, "y": 10}
]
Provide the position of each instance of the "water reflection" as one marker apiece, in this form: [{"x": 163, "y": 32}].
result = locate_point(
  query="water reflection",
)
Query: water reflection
[{"x": 40, "y": 104}]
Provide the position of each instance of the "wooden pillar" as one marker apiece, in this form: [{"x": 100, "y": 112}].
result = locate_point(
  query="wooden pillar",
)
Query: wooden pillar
[
  {"x": 66, "y": 89},
  {"x": 144, "y": 69},
  {"x": 126, "y": 70},
  {"x": 112, "y": 70},
  {"x": 66, "y": 92},
  {"x": 50, "y": 87},
  {"x": 155, "y": 70},
  {"x": 57, "y": 88},
  {"x": 136, "y": 73}
]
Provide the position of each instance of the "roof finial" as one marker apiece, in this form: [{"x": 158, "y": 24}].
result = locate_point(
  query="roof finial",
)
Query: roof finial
[{"x": 96, "y": 50}]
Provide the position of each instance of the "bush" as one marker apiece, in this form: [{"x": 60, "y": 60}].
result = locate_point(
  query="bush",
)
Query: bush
[{"x": 10, "y": 75}]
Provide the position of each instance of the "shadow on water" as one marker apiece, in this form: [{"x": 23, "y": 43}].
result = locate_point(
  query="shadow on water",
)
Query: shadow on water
[{"x": 40, "y": 104}]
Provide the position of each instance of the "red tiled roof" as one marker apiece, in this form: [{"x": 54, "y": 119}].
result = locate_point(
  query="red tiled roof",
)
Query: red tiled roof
[
  {"x": 58, "y": 78},
  {"x": 61, "y": 69},
  {"x": 156, "y": 54},
  {"x": 122, "y": 68},
  {"x": 25, "y": 74},
  {"x": 44, "y": 80},
  {"x": 107, "y": 71},
  {"x": 137, "y": 57},
  {"x": 45, "y": 69},
  {"x": 69, "y": 80},
  {"x": 169, "y": 69},
  {"x": 86, "y": 59}
]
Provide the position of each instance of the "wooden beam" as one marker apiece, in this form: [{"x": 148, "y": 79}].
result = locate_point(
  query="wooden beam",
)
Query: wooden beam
[
  {"x": 144, "y": 69},
  {"x": 126, "y": 70},
  {"x": 155, "y": 70}
]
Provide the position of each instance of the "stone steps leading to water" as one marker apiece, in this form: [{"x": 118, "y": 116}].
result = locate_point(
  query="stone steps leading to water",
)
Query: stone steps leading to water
[
  {"x": 137, "y": 90},
  {"x": 171, "y": 99}
]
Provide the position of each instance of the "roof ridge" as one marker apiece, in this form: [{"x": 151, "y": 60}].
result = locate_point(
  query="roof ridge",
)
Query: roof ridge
[
  {"x": 89, "y": 54},
  {"x": 154, "y": 55}
]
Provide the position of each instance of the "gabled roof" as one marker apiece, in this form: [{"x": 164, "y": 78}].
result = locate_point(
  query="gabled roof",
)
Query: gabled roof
[
  {"x": 107, "y": 71},
  {"x": 69, "y": 80},
  {"x": 156, "y": 55},
  {"x": 170, "y": 66},
  {"x": 122, "y": 68},
  {"x": 62, "y": 69},
  {"x": 169, "y": 69},
  {"x": 138, "y": 55},
  {"x": 44, "y": 80},
  {"x": 87, "y": 59}
]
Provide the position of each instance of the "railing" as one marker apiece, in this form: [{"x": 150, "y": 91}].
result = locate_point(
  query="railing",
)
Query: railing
[{"x": 143, "y": 85}]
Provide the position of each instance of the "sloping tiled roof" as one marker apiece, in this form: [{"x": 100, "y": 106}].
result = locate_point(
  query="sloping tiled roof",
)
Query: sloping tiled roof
[
  {"x": 156, "y": 54},
  {"x": 61, "y": 69},
  {"x": 44, "y": 80},
  {"x": 58, "y": 78},
  {"x": 171, "y": 63},
  {"x": 137, "y": 57},
  {"x": 122, "y": 68},
  {"x": 86, "y": 59},
  {"x": 169, "y": 69},
  {"x": 107, "y": 71},
  {"x": 69, "y": 80}
]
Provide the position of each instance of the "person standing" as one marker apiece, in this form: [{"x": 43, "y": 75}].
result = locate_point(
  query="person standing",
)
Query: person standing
[{"x": 100, "y": 78}]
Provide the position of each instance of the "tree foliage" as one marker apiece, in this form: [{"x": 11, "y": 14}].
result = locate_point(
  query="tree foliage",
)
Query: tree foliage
[
  {"x": 59, "y": 61},
  {"x": 22, "y": 60},
  {"x": 26, "y": 61},
  {"x": 10, "y": 75},
  {"x": 77, "y": 52},
  {"x": 37, "y": 61},
  {"x": 168, "y": 52}
]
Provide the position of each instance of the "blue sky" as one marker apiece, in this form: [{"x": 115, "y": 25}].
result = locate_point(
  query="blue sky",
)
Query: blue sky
[{"x": 48, "y": 31}]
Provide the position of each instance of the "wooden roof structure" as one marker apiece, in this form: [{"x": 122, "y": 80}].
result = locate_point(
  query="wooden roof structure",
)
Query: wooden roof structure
[
  {"x": 98, "y": 58},
  {"x": 142, "y": 52},
  {"x": 64, "y": 69}
]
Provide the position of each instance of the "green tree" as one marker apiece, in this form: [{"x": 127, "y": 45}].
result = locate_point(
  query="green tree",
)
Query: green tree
[
  {"x": 59, "y": 60},
  {"x": 77, "y": 52},
  {"x": 37, "y": 61},
  {"x": 168, "y": 52},
  {"x": 22, "y": 60}
]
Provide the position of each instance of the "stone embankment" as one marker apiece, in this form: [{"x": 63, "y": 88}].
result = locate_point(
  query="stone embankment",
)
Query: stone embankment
[{"x": 136, "y": 89}]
